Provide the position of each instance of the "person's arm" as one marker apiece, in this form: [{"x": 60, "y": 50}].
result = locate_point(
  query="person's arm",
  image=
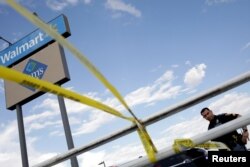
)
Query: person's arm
[{"x": 245, "y": 134}]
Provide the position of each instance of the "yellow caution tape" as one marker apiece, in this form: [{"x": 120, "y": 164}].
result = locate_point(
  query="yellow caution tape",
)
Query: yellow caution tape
[
  {"x": 147, "y": 142},
  {"x": 208, "y": 145},
  {"x": 45, "y": 86},
  {"x": 18, "y": 77},
  {"x": 180, "y": 144},
  {"x": 188, "y": 143},
  {"x": 53, "y": 33}
]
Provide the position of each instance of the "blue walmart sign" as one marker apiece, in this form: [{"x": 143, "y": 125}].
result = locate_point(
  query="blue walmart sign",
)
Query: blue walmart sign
[
  {"x": 33, "y": 42},
  {"x": 35, "y": 69}
]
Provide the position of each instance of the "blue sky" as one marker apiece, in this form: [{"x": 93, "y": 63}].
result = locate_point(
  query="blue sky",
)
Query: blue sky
[{"x": 156, "y": 53}]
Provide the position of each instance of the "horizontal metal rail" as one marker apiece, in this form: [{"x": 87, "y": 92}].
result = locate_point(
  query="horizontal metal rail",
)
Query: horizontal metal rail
[
  {"x": 243, "y": 78},
  {"x": 198, "y": 139}
]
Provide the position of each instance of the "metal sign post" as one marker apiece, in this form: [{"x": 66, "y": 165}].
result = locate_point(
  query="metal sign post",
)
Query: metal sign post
[
  {"x": 20, "y": 124},
  {"x": 22, "y": 140},
  {"x": 65, "y": 120}
]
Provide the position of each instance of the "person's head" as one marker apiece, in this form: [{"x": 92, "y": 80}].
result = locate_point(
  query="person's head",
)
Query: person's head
[{"x": 207, "y": 114}]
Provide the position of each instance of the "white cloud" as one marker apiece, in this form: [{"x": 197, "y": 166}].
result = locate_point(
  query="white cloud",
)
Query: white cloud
[
  {"x": 10, "y": 154},
  {"x": 215, "y": 2},
  {"x": 115, "y": 155},
  {"x": 35, "y": 126},
  {"x": 232, "y": 103},
  {"x": 165, "y": 78},
  {"x": 119, "y": 5},
  {"x": 8, "y": 137},
  {"x": 10, "y": 149},
  {"x": 195, "y": 75},
  {"x": 130, "y": 151},
  {"x": 160, "y": 90},
  {"x": 91, "y": 159},
  {"x": 175, "y": 65},
  {"x": 74, "y": 2},
  {"x": 46, "y": 156},
  {"x": 56, "y": 5},
  {"x": 50, "y": 115},
  {"x": 96, "y": 120},
  {"x": 87, "y": 1},
  {"x": 10, "y": 159},
  {"x": 195, "y": 125},
  {"x": 114, "y": 5},
  {"x": 59, "y": 5},
  {"x": 49, "y": 103},
  {"x": 139, "y": 96}
]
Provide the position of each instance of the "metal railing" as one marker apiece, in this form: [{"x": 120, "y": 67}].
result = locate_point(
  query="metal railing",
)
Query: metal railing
[
  {"x": 199, "y": 139},
  {"x": 241, "y": 79}
]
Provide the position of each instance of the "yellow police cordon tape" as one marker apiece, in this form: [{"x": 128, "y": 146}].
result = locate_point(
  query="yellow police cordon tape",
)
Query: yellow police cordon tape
[
  {"x": 147, "y": 142},
  {"x": 54, "y": 34},
  {"x": 18, "y": 77},
  {"x": 180, "y": 144},
  {"x": 144, "y": 136}
]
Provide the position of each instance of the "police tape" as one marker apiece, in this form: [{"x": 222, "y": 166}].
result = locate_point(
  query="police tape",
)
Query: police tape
[
  {"x": 83, "y": 59},
  {"x": 183, "y": 144},
  {"x": 144, "y": 136},
  {"x": 23, "y": 79},
  {"x": 18, "y": 77},
  {"x": 147, "y": 142}
]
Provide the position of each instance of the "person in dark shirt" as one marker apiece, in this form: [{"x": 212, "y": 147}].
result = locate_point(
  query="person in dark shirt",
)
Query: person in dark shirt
[{"x": 234, "y": 140}]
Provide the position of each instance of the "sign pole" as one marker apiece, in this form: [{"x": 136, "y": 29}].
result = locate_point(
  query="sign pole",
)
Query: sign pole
[
  {"x": 24, "y": 154},
  {"x": 65, "y": 120}
]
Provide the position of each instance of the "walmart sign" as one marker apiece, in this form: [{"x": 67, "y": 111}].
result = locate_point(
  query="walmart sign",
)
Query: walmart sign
[{"x": 33, "y": 42}]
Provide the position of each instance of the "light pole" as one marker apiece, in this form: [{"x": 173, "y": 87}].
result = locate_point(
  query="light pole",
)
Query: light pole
[{"x": 102, "y": 163}]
